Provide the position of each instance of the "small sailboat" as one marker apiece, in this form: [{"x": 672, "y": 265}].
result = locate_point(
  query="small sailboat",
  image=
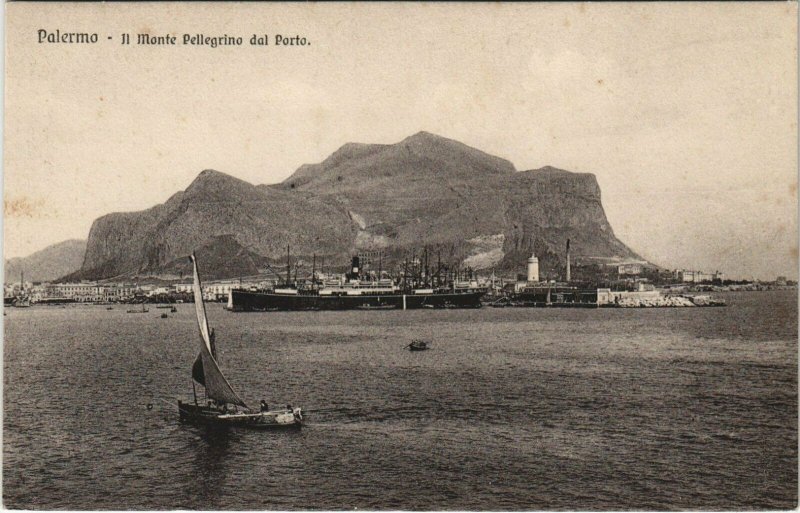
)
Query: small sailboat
[
  {"x": 223, "y": 406},
  {"x": 22, "y": 301}
]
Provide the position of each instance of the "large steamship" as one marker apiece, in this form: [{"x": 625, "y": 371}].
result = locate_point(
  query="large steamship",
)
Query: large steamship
[{"x": 357, "y": 292}]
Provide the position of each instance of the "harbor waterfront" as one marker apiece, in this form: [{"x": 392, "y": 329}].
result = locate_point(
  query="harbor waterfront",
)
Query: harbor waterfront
[{"x": 510, "y": 408}]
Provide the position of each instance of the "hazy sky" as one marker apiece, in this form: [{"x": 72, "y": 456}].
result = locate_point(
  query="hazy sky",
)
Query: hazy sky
[{"x": 686, "y": 113}]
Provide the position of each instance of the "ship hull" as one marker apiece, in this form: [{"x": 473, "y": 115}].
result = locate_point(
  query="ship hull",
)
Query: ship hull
[
  {"x": 556, "y": 297},
  {"x": 202, "y": 415},
  {"x": 246, "y": 301}
]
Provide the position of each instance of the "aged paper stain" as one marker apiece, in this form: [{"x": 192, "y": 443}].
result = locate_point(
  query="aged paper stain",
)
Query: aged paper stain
[{"x": 22, "y": 206}]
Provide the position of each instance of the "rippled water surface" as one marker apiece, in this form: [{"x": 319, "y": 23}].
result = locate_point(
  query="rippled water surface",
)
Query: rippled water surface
[{"x": 510, "y": 409}]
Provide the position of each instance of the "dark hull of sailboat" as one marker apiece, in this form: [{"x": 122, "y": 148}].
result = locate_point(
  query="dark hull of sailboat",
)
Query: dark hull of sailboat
[
  {"x": 208, "y": 416},
  {"x": 247, "y": 301}
]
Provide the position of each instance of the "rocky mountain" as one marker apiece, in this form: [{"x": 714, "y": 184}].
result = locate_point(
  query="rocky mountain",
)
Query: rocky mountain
[
  {"x": 426, "y": 191},
  {"x": 226, "y": 220},
  {"x": 48, "y": 264}
]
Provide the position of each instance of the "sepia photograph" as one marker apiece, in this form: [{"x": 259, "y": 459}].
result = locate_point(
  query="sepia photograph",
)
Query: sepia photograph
[{"x": 400, "y": 257}]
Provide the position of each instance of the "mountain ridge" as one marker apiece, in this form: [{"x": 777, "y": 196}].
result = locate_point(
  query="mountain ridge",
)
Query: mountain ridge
[{"x": 425, "y": 190}]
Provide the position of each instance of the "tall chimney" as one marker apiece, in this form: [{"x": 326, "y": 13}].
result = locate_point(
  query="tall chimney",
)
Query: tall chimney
[{"x": 568, "y": 269}]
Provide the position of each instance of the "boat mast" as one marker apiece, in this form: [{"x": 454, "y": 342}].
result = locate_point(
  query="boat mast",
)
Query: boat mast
[
  {"x": 439, "y": 267},
  {"x": 415, "y": 265},
  {"x": 313, "y": 270},
  {"x": 288, "y": 268},
  {"x": 427, "y": 275},
  {"x": 194, "y": 392}
]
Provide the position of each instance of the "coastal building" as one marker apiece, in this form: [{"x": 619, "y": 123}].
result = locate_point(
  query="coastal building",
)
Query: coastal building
[
  {"x": 83, "y": 292},
  {"x": 217, "y": 290},
  {"x": 532, "y": 277},
  {"x": 630, "y": 269},
  {"x": 687, "y": 276},
  {"x": 119, "y": 291},
  {"x": 533, "y": 269}
]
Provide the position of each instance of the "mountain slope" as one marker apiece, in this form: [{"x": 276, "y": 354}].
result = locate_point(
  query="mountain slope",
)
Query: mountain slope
[
  {"x": 262, "y": 220},
  {"x": 48, "y": 264},
  {"x": 431, "y": 190}
]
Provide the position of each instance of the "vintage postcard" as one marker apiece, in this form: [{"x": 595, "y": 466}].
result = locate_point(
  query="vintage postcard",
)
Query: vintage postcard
[{"x": 404, "y": 256}]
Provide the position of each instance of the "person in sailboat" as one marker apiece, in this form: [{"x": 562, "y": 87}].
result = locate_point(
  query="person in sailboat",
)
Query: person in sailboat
[{"x": 264, "y": 406}]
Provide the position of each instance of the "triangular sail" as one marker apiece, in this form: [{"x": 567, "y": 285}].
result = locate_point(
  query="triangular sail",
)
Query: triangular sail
[
  {"x": 198, "y": 374},
  {"x": 217, "y": 387},
  {"x": 197, "y": 367}
]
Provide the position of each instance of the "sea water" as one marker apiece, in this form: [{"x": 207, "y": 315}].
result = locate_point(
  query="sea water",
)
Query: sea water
[{"x": 510, "y": 409}]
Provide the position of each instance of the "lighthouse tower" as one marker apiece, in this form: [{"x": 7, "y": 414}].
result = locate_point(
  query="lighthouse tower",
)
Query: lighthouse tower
[{"x": 533, "y": 269}]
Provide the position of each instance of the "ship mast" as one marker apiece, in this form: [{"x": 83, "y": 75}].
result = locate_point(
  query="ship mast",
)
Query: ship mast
[
  {"x": 439, "y": 267},
  {"x": 288, "y": 268},
  {"x": 427, "y": 274}
]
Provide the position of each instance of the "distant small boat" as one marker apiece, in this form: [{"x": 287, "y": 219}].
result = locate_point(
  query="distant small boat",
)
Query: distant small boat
[
  {"x": 418, "y": 345},
  {"x": 164, "y": 316},
  {"x": 109, "y": 308},
  {"x": 173, "y": 309},
  {"x": 22, "y": 302}
]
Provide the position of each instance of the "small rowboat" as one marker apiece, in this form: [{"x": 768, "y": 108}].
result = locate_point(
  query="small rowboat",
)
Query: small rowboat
[{"x": 417, "y": 345}]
